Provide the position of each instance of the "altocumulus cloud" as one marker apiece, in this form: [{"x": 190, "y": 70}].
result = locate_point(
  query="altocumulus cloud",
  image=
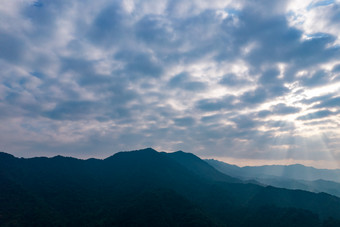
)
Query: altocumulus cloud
[{"x": 248, "y": 80}]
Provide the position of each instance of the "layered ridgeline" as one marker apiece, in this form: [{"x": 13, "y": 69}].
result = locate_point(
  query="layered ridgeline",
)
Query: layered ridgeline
[
  {"x": 290, "y": 176},
  {"x": 148, "y": 188}
]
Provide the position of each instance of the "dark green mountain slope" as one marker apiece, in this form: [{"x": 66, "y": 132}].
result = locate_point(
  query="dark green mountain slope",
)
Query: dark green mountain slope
[
  {"x": 200, "y": 167},
  {"x": 147, "y": 188}
]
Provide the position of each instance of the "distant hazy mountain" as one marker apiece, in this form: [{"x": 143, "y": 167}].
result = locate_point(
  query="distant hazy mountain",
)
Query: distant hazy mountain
[
  {"x": 148, "y": 188},
  {"x": 291, "y": 176},
  {"x": 297, "y": 171}
]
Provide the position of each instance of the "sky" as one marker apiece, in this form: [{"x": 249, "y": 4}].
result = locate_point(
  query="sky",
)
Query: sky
[{"x": 250, "y": 82}]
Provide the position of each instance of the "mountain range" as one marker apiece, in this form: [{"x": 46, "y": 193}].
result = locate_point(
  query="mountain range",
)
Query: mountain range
[
  {"x": 291, "y": 176},
  {"x": 148, "y": 188}
]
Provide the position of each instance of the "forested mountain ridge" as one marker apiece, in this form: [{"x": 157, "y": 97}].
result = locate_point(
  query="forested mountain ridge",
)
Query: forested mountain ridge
[{"x": 147, "y": 188}]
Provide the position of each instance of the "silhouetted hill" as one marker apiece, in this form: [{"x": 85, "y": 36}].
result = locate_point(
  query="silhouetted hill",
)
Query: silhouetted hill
[
  {"x": 200, "y": 167},
  {"x": 146, "y": 188}
]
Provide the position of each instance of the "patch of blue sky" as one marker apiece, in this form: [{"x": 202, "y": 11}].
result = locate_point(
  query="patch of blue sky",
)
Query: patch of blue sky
[
  {"x": 319, "y": 3},
  {"x": 318, "y": 35}
]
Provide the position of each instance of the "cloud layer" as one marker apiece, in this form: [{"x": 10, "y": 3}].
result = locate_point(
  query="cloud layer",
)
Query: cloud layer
[{"x": 251, "y": 80}]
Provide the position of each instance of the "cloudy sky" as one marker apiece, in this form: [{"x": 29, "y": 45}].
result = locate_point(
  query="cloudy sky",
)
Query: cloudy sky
[{"x": 249, "y": 82}]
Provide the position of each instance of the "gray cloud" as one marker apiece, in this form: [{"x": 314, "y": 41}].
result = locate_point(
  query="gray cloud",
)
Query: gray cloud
[
  {"x": 184, "y": 81},
  {"x": 264, "y": 113},
  {"x": 109, "y": 27},
  {"x": 283, "y": 109},
  {"x": 184, "y": 121},
  {"x": 281, "y": 125},
  {"x": 216, "y": 104},
  {"x": 71, "y": 110},
  {"x": 232, "y": 80},
  {"x": 318, "y": 78},
  {"x": 259, "y": 95},
  {"x": 316, "y": 115},
  {"x": 328, "y": 103},
  {"x": 317, "y": 99},
  {"x": 244, "y": 122},
  {"x": 336, "y": 68},
  {"x": 139, "y": 64},
  {"x": 270, "y": 77},
  {"x": 11, "y": 47},
  {"x": 206, "y": 78}
]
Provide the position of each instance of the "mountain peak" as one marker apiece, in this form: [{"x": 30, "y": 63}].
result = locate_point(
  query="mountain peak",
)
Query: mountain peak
[
  {"x": 184, "y": 154},
  {"x": 148, "y": 149},
  {"x": 145, "y": 151}
]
